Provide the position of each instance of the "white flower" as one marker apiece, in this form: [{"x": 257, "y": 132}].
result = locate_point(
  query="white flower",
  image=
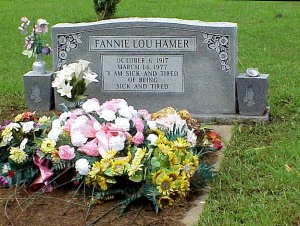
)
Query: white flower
[
  {"x": 91, "y": 105},
  {"x": 107, "y": 115},
  {"x": 66, "y": 74},
  {"x": 90, "y": 76},
  {"x": 23, "y": 143},
  {"x": 14, "y": 126},
  {"x": 169, "y": 121},
  {"x": 152, "y": 138},
  {"x": 54, "y": 133},
  {"x": 57, "y": 83},
  {"x": 122, "y": 123},
  {"x": 28, "y": 126},
  {"x": 191, "y": 138},
  {"x": 152, "y": 125},
  {"x": 82, "y": 166},
  {"x": 5, "y": 168},
  {"x": 78, "y": 139},
  {"x": 79, "y": 123},
  {"x": 65, "y": 90},
  {"x": 127, "y": 112},
  {"x": 64, "y": 116},
  {"x": 83, "y": 64},
  {"x": 116, "y": 143},
  {"x": 56, "y": 123}
]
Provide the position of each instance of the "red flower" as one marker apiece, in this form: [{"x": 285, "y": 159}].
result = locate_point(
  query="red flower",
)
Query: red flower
[
  {"x": 218, "y": 145},
  {"x": 11, "y": 173},
  {"x": 26, "y": 116}
]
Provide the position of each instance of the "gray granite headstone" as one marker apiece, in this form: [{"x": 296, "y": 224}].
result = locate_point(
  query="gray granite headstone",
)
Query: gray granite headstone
[{"x": 154, "y": 63}]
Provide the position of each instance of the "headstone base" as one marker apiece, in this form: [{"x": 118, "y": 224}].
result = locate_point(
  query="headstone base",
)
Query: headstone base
[{"x": 231, "y": 118}]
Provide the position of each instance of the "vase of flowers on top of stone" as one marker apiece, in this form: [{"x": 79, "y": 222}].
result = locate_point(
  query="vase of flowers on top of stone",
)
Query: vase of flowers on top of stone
[{"x": 38, "y": 90}]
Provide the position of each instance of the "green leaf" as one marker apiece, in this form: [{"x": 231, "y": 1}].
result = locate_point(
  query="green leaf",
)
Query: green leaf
[
  {"x": 28, "y": 53},
  {"x": 111, "y": 180},
  {"x": 155, "y": 162},
  {"x": 136, "y": 178}
]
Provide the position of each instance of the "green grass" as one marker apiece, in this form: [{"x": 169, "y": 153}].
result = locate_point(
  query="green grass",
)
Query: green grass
[{"x": 254, "y": 186}]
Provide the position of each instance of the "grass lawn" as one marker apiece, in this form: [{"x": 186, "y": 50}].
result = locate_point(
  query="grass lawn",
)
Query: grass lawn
[{"x": 259, "y": 179}]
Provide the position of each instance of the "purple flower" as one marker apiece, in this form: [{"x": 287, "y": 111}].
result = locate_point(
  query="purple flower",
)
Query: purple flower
[
  {"x": 4, "y": 124},
  {"x": 46, "y": 50},
  {"x": 3, "y": 182}
]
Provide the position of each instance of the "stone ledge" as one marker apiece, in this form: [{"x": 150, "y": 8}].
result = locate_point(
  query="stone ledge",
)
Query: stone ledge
[{"x": 231, "y": 118}]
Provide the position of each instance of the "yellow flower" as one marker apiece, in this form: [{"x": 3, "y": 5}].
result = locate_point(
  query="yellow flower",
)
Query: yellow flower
[
  {"x": 182, "y": 186},
  {"x": 165, "y": 201},
  {"x": 163, "y": 113},
  {"x": 110, "y": 154},
  {"x": 155, "y": 175},
  {"x": 165, "y": 149},
  {"x": 180, "y": 143},
  {"x": 172, "y": 158},
  {"x": 6, "y": 132},
  {"x": 96, "y": 169},
  {"x": 48, "y": 146},
  {"x": 129, "y": 157},
  {"x": 138, "y": 156},
  {"x": 7, "y": 136},
  {"x": 17, "y": 155},
  {"x": 18, "y": 117},
  {"x": 162, "y": 139},
  {"x": 102, "y": 182},
  {"x": 174, "y": 175},
  {"x": 134, "y": 168},
  {"x": 165, "y": 184},
  {"x": 195, "y": 161},
  {"x": 44, "y": 119},
  {"x": 104, "y": 164},
  {"x": 188, "y": 168},
  {"x": 184, "y": 114},
  {"x": 118, "y": 166}
]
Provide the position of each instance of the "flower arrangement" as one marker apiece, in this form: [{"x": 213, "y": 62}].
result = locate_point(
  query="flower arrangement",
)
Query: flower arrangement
[
  {"x": 72, "y": 81},
  {"x": 111, "y": 148},
  {"x": 35, "y": 43}
]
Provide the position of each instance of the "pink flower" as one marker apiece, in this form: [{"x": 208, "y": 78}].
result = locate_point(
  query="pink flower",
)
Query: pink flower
[
  {"x": 114, "y": 104},
  {"x": 90, "y": 148},
  {"x": 76, "y": 113},
  {"x": 109, "y": 137},
  {"x": 68, "y": 124},
  {"x": 144, "y": 114},
  {"x": 138, "y": 138},
  {"x": 41, "y": 26},
  {"x": 139, "y": 124},
  {"x": 66, "y": 152}
]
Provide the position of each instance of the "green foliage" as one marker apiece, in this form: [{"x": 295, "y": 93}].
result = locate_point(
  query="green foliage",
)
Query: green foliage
[
  {"x": 176, "y": 133},
  {"x": 105, "y": 9},
  {"x": 203, "y": 175}
]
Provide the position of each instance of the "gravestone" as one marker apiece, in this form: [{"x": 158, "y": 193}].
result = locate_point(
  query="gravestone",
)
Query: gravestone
[{"x": 154, "y": 63}]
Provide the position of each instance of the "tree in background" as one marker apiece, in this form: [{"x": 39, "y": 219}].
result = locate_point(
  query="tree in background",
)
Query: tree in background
[{"x": 105, "y": 9}]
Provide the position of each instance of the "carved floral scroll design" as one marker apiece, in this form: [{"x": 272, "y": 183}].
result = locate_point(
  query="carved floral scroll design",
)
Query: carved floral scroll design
[
  {"x": 220, "y": 44},
  {"x": 66, "y": 43}
]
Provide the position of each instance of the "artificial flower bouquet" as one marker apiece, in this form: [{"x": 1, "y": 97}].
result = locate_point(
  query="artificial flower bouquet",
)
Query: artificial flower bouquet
[
  {"x": 110, "y": 149},
  {"x": 35, "y": 42},
  {"x": 72, "y": 81}
]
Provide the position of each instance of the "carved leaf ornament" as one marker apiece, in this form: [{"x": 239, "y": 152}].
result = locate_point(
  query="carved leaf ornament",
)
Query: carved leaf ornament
[
  {"x": 219, "y": 43},
  {"x": 66, "y": 43}
]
